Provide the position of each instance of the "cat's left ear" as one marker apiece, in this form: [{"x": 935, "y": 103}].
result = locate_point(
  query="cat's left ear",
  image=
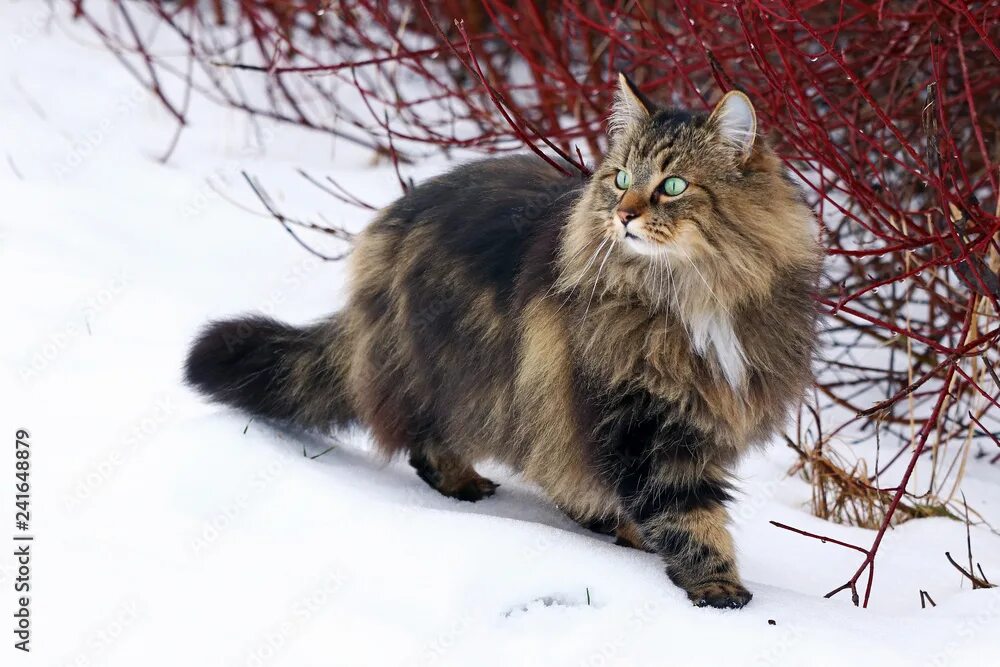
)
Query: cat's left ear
[
  {"x": 630, "y": 106},
  {"x": 736, "y": 122}
]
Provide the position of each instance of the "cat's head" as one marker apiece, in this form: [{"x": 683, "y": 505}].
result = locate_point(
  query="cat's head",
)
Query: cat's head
[{"x": 684, "y": 191}]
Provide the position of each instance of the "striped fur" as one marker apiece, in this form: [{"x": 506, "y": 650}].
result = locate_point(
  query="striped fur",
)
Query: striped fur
[{"x": 498, "y": 312}]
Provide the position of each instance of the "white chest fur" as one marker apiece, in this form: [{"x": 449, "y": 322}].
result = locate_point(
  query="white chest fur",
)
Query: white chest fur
[{"x": 712, "y": 335}]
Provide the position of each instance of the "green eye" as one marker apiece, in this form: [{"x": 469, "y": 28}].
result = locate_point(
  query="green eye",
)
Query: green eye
[
  {"x": 622, "y": 180},
  {"x": 674, "y": 185}
]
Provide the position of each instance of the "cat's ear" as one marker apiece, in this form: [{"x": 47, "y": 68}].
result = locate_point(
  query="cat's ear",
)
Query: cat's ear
[
  {"x": 630, "y": 106},
  {"x": 736, "y": 122}
]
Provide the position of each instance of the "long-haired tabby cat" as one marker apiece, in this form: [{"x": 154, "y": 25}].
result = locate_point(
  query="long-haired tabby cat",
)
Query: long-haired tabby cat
[{"x": 619, "y": 341}]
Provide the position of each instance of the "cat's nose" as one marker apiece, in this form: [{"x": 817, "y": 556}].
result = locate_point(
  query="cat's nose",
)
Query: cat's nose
[{"x": 626, "y": 215}]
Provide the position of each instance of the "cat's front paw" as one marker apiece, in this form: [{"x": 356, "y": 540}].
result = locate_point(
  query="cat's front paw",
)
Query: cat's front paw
[{"x": 720, "y": 594}]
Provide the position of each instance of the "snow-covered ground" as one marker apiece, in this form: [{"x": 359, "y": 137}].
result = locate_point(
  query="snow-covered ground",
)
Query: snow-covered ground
[{"x": 169, "y": 531}]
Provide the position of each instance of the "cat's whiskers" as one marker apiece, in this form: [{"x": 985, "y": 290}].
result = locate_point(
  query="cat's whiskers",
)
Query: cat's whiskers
[
  {"x": 654, "y": 272},
  {"x": 672, "y": 279},
  {"x": 667, "y": 282},
  {"x": 708, "y": 330},
  {"x": 582, "y": 275},
  {"x": 567, "y": 262},
  {"x": 582, "y": 249},
  {"x": 649, "y": 282},
  {"x": 700, "y": 275},
  {"x": 657, "y": 277},
  {"x": 597, "y": 278},
  {"x": 660, "y": 283}
]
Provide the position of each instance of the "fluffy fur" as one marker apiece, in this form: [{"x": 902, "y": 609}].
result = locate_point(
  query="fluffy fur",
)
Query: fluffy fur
[{"x": 501, "y": 311}]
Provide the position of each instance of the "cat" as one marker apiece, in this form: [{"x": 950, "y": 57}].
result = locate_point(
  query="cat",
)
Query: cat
[{"x": 619, "y": 340}]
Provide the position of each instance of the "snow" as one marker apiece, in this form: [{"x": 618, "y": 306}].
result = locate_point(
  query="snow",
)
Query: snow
[{"x": 169, "y": 531}]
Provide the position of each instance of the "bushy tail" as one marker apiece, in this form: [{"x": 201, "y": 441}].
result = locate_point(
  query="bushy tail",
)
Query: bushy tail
[{"x": 273, "y": 370}]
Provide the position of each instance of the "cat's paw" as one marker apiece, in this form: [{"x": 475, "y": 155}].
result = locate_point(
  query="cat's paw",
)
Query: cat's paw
[
  {"x": 720, "y": 594},
  {"x": 474, "y": 489}
]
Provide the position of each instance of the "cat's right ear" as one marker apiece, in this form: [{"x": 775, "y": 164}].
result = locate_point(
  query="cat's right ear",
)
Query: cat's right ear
[
  {"x": 736, "y": 122},
  {"x": 630, "y": 106}
]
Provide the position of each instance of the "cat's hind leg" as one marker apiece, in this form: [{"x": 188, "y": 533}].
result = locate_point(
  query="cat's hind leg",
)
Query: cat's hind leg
[
  {"x": 623, "y": 529},
  {"x": 599, "y": 525},
  {"x": 627, "y": 535},
  {"x": 450, "y": 474}
]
